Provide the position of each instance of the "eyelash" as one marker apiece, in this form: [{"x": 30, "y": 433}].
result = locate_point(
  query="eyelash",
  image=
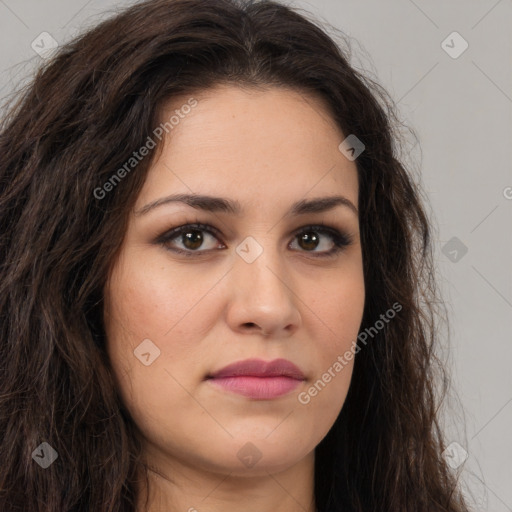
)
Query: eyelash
[{"x": 341, "y": 240}]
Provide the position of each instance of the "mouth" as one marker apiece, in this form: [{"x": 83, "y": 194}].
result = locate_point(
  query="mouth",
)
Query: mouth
[{"x": 258, "y": 379}]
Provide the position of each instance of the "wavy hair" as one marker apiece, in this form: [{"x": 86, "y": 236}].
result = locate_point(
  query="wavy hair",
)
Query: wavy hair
[{"x": 81, "y": 117}]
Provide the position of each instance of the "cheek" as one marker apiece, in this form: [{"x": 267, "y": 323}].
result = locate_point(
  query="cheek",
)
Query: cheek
[
  {"x": 339, "y": 307},
  {"x": 151, "y": 300},
  {"x": 338, "y": 314},
  {"x": 148, "y": 301},
  {"x": 143, "y": 303}
]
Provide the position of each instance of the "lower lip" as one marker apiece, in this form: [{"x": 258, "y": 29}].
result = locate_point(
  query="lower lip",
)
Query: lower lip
[{"x": 258, "y": 388}]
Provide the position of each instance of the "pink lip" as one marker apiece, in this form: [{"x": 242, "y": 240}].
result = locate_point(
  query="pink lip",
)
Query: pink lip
[{"x": 258, "y": 379}]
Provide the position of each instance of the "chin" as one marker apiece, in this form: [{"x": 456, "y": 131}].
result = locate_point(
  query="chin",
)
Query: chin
[{"x": 258, "y": 455}]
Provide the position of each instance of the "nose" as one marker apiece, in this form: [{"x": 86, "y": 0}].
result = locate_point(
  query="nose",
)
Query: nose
[{"x": 262, "y": 296}]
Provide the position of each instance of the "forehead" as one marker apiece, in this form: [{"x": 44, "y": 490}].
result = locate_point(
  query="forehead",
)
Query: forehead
[{"x": 256, "y": 146}]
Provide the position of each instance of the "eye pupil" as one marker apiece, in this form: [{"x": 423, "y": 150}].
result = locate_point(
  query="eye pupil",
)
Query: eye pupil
[
  {"x": 310, "y": 239},
  {"x": 194, "y": 237}
]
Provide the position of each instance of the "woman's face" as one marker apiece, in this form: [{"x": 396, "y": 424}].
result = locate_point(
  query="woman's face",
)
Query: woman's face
[{"x": 258, "y": 282}]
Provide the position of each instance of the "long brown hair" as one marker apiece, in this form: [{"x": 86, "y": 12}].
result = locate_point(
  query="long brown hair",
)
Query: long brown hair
[{"x": 78, "y": 122}]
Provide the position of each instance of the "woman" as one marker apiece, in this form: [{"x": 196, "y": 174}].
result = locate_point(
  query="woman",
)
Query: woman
[{"x": 216, "y": 282}]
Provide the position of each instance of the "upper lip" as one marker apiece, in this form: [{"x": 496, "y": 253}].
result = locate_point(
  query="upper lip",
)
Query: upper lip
[{"x": 260, "y": 368}]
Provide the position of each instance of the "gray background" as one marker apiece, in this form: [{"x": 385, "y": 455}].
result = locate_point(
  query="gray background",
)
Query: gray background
[{"x": 461, "y": 111}]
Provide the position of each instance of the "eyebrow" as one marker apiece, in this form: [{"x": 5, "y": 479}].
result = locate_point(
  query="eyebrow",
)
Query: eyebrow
[{"x": 220, "y": 204}]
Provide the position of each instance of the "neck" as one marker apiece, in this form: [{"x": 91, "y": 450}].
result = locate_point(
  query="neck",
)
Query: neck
[{"x": 177, "y": 486}]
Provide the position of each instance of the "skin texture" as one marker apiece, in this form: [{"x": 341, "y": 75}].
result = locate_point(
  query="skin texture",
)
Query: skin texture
[{"x": 267, "y": 150}]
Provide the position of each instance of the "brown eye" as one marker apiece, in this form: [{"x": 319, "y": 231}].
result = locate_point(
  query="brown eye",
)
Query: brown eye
[
  {"x": 309, "y": 240},
  {"x": 192, "y": 239},
  {"x": 189, "y": 238},
  {"x": 312, "y": 238}
]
